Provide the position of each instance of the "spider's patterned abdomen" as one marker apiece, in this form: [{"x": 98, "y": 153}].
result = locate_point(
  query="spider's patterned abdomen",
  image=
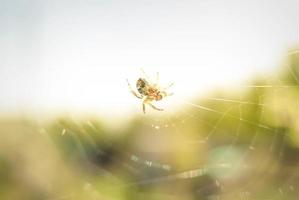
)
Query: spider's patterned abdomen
[{"x": 141, "y": 86}]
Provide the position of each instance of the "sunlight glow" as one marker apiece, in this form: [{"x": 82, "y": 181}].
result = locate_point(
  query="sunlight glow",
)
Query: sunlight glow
[{"x": 81, "y": 61}]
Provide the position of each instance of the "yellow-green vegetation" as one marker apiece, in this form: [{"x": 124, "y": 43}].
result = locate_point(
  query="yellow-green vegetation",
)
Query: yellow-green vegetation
[{"x": 235, "y": 143}]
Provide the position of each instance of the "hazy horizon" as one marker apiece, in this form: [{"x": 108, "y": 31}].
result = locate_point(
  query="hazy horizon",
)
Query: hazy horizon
[{"x": 76, "y": 56}]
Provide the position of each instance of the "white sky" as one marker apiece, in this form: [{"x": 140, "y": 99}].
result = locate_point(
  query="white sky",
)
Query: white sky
[{"x": 76, "y": 55}]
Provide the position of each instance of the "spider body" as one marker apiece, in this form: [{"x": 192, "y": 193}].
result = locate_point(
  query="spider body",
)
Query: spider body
[
  {"x": 149, "y": 92},
  {"x": 145, "y": 89}
]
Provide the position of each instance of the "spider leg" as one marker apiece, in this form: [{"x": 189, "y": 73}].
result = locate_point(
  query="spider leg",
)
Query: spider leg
[
  {"x": 157, "y": 78},
  {"x": 145, "y": 75},
  {"x": 154, "y": 107},
  {"x": 169, "y": 86},
  {"x": 156, "y": 84},
  {"x": 147, "y": 101},
  {"x": 143, "y": 107},
  {"x": 132, "y": 91},
  {"x": 165, "y": 94}
]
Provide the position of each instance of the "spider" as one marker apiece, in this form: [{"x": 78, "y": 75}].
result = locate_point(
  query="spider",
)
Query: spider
[{"x": 149, "y": 92}]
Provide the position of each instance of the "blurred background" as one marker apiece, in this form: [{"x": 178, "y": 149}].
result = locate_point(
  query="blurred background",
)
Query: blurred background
[{"x": 71, "y": 129}]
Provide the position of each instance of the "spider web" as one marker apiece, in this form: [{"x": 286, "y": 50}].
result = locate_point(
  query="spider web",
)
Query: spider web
[{"x": 225, "y": 145}]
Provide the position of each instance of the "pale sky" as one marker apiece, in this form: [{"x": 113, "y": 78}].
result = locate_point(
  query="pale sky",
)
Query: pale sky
[{"x": 76, "y": 55}]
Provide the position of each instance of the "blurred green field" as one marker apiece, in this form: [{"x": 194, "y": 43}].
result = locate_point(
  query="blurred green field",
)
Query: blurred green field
[{"x": 234, "y": 143}]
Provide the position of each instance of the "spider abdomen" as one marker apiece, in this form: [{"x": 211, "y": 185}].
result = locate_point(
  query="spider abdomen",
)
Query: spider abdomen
[{"x": 142, "y": 86}]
